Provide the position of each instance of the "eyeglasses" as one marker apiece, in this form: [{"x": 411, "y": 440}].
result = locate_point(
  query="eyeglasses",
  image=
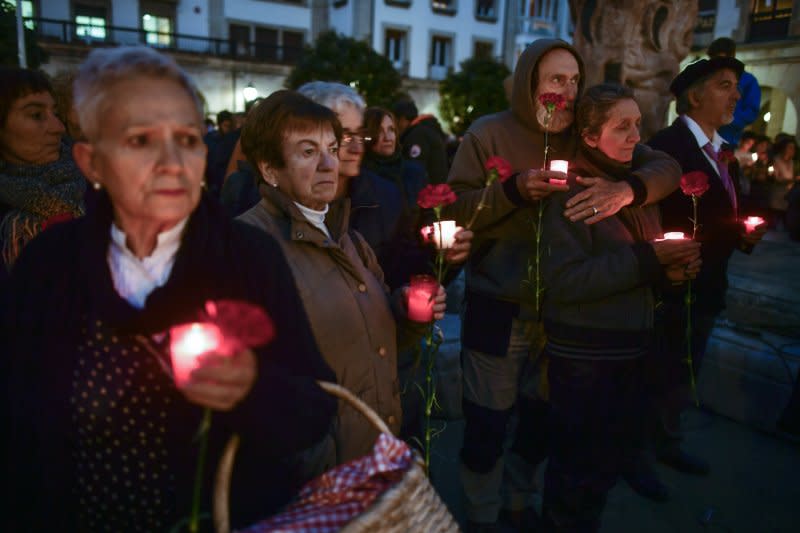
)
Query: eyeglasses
[{"x": 355, "y": 138}]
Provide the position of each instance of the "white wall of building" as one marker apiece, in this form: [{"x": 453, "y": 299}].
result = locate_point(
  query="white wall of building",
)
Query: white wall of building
[
  {"x": 341, "y": 18},
  {"x": 728, "y": 18},
  {"x": 189, "y": 22},
  {"x": 423, "y": 24}
]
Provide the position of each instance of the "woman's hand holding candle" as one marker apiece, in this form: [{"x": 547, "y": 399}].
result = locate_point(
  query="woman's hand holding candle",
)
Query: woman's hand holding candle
[
  {"x": 676, "y": 251},
  {"x": 425, "y": 299},
  {"x": 683, "y": 272},
  {"x": 221, "y": 381}
]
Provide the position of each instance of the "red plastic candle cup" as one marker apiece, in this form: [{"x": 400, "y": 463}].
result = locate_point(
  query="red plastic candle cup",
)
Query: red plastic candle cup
[
  {"x": 421, "y": 292},
  {"x": 188, "y": 342},
  {"x": 443, "y": 234},
  {"x": 751, "y": 223},
  {"x": 558, "y": 165}
]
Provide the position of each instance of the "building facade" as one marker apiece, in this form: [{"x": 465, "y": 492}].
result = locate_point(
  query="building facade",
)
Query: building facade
[
  {"x": 228, "y": 45},
  {"x": 767, "y": 33}
]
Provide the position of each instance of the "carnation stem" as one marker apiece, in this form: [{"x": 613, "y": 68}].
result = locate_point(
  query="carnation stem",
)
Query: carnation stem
[
  {"x": 481, "y": 205},
  {"x": 689, "y": 341},
  {"x": 205, "y": 425},
  {"x": 689, "y": 299}
]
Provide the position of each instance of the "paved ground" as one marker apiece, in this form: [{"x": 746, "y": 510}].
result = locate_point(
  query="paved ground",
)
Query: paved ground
[{"x": 754, "y": 485}]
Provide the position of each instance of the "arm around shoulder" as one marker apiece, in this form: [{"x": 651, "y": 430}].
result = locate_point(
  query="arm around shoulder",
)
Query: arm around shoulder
[{"x": 658, "y": 171}]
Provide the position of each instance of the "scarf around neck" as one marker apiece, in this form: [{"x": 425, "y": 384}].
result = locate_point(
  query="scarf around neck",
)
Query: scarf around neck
[{"x": 31, "y": 194}]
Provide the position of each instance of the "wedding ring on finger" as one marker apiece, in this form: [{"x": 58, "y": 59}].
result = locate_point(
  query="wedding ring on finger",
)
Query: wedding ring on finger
[{"x": 595, "y": 211}]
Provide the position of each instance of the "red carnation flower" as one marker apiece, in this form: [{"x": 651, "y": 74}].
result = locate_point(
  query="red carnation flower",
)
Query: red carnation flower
[
  {"x": 433, "y": 196},
  {"x": 553, "y": 101},
  {"x": 694, "y": 183},
  {"x": 499, "y": 168}
]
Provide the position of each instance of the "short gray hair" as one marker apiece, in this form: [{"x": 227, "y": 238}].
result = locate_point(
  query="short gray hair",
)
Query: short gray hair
[
  {"x": 107, "y": 66},
  {"x": 682, "y": 103},
  {"x": 332, "y": 95}
]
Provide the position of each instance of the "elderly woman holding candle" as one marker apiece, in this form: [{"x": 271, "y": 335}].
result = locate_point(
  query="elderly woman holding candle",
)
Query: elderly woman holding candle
[
  {"x": 101, "y": 436},
  {"x": 293, "y": 142},
  {"x": 598, "y": 315}
]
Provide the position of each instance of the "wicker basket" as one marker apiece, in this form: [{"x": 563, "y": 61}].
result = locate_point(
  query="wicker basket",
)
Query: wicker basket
[{"x": 412, "y": 505}]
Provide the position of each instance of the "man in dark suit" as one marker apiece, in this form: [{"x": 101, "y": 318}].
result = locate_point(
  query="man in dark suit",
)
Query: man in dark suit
[{"x": 706, "y": 93}]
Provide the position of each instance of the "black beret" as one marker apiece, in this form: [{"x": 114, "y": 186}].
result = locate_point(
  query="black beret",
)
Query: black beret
[{"x": 701, "y": 68}]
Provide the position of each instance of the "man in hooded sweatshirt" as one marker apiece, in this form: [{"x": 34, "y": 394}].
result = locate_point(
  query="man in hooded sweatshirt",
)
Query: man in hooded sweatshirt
[{"x": 501, "y": 328}]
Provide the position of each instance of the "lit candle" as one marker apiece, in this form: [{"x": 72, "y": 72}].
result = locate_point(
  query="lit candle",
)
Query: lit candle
[
  {"x": 754, "y": 156},
  {"x": 421, "y": 292},
  {"x": 558, "y": 165},
  {"x": 751, "y": 223},
  {"x": 187, "y": 343},
  {"x": 672, "y": 236},
  {"x": 771, "y": 170},
  {"x": 443, "y": 234}
]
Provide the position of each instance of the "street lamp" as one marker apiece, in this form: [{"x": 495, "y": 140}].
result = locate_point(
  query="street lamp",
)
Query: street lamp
[{"x": 250, "y": 93}]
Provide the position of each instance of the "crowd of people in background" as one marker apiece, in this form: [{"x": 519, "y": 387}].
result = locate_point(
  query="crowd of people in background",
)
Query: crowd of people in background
[{"x": 123, "y": 209}]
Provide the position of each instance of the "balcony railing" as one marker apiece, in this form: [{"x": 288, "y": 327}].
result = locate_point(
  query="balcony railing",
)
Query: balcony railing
[
  {"x": 65, "y": 32},
  {"x": 770, "y": 26}
]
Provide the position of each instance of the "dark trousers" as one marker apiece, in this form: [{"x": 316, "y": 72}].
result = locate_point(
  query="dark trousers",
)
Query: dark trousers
[
  {"x": 667, "y": 370},
  {"x": 595, "y": 411}
]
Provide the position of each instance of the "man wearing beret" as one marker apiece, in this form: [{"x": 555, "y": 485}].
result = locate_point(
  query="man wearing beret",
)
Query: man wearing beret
[{"x": 706, "y": 93}]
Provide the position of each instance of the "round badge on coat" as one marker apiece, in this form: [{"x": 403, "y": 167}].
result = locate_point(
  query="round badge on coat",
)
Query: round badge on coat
[{"x": 414, "y": 151}]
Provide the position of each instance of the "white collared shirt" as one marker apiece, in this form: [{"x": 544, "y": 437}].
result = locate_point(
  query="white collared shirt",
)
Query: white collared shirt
[
  {"x": 702, "y": 139},
  {"x": 134, "y": 278},
  {"x": 317, "y": 218}
]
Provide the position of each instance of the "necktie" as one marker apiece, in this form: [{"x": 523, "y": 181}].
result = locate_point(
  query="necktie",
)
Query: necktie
[{"x": 722, "y": 168}]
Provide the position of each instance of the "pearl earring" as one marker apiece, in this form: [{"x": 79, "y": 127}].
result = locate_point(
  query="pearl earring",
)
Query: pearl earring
[
  {"x": 275, "y": 184},
  {"x": 96, "y": 186}
]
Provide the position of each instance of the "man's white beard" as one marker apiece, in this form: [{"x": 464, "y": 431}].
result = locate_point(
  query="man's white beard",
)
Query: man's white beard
[{"x": 559, "y": 121}]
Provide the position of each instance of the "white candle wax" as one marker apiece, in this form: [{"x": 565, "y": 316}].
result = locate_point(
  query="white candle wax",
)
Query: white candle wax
[
  {"x": 558, "y": 165},
  {"x": 444, "y": 234}
]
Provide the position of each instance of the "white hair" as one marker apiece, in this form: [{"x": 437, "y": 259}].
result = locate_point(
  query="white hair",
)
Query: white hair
[
  {"x": 332, "y": 95},
  {"x": 105, "y": 67}
]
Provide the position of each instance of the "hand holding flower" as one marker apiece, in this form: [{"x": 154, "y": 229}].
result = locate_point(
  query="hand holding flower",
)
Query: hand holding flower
[
  {"x": 684, "y": 272},
  {"x": 460, "y": 250},
  {"x": 220, "y": 382}
]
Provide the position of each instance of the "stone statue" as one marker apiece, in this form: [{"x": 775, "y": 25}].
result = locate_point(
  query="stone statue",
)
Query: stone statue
[{"x": 638, "y": 43}]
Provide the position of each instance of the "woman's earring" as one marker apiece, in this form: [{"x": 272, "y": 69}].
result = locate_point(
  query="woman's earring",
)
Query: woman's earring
[
  {"x": 96, "y": 185},
  {"x": 274, "y": 184}
]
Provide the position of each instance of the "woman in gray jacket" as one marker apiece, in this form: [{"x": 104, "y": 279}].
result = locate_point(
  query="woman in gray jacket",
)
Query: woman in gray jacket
[{"x": 598, "y": 315}]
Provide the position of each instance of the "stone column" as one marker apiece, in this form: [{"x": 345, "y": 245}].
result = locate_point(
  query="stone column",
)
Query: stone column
[{"x": 320, "y": 21}]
